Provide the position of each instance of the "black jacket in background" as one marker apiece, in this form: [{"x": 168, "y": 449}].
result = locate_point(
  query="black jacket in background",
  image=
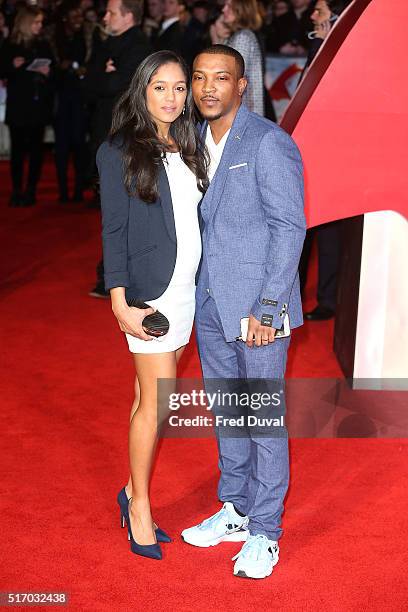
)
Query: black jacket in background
[
  {"x": 70, "y": 49},
  {"x": 171, "y": 39},
  {"x": 195, "y": 39},
  {"x": 104, "y": 88},
  {"x": 288, "y": 29},
  {"x": 29, "y": 94}
]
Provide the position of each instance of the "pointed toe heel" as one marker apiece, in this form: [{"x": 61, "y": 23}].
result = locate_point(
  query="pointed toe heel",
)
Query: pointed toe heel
[
  {"x": 123, "y": 502},
  {"x": 151, "y": 551}
]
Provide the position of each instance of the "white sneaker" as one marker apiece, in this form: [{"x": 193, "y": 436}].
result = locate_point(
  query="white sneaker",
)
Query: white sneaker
[
  {"x": 256, "y": 558},
  {"x": 224, "y": 526}
]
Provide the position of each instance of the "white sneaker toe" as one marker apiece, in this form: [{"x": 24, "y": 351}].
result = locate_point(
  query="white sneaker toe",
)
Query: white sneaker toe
[{"x": 257, "y": 557}]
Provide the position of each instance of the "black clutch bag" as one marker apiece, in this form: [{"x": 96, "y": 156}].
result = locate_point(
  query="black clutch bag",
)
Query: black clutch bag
[{"x": 155, "y": 324}]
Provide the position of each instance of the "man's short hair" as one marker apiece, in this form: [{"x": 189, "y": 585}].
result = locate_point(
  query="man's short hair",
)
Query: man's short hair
[
  {"x": 133, "y": 6},
  {"x": 231, "y": 52}
]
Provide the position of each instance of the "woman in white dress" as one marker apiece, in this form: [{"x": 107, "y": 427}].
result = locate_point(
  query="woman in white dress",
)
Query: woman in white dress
[{"x": 153, "y": 174}]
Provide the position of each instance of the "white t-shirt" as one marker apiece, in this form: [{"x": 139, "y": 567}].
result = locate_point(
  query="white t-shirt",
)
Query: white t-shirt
[{"x": 215, "y": 151}]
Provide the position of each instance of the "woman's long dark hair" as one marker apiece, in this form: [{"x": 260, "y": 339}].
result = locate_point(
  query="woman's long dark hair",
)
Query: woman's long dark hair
[{"x": 135, "y": 132}]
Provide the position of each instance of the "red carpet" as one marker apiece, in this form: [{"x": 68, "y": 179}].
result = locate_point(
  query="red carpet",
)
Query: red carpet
[{"x": 66, "y": 386}]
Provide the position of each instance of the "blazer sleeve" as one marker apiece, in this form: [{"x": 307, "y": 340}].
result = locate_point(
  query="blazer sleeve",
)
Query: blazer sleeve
[
  {"x": 115, "y": 216},
  {"x": 279, "y": 172}
]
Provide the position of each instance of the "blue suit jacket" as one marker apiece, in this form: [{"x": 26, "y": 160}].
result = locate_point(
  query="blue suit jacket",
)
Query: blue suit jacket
[{"x": 254, "y": 226}]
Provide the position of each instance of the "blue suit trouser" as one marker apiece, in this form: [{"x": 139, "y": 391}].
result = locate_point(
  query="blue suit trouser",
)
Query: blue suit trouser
[{"x": 254, "y": 469}]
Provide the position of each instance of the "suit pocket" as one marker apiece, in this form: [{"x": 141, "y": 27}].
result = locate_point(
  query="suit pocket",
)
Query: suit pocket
[
  {"x": 144, "y": 251},
  {"x": 238, "y": 168},
  {"x": 251, "y": 270}
]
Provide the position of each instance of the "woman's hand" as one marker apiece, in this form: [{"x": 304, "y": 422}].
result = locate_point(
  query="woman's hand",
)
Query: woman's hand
[
  {"x": 18, "y": 62},
  {"x": 44, "y": 70},
  {"x": 130, "y": 320}
]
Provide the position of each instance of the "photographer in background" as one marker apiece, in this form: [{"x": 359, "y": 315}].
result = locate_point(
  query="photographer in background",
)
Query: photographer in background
[{"x": 324, "y": 14}]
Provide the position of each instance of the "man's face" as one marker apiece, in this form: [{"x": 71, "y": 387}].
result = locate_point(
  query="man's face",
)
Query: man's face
[
  {"x": 75, "y": 19},
  {"x": 201, "y": 14},
  {"x": 217, "y": 87},
  {"x": 279, "y": 8},
  {"x": 155, "y": 8},
  {"x": 116, "y": 23},
  {"x": 300, "y": 4},
  {"x": 171, "y": 8},
  {"x": 321, "y": 12}
]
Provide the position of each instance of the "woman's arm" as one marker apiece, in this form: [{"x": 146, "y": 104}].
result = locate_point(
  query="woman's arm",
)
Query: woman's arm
[{"x": 115, "y": 220}]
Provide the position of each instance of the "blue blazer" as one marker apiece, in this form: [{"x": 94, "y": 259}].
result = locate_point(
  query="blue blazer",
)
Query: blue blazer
[
  {"x": 254, "y": 226},
  {"x": 139, "y": 239}
]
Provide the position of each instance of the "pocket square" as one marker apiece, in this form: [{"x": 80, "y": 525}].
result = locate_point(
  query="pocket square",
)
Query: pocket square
[{"x": 238, "y": 166}]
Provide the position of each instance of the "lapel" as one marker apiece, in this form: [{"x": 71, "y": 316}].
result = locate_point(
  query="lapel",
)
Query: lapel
[
  {"x": 166, "y": 202},
  {"x": 214, "y": 193}
]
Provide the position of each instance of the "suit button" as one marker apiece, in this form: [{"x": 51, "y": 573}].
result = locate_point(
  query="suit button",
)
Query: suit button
[{"x": 208, "y": 291}]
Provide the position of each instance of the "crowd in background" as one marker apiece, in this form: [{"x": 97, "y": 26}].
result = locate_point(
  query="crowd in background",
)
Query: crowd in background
[{"x": 66, "y": 63}]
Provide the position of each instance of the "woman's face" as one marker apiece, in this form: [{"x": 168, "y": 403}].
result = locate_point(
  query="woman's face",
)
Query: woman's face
[
  {"x": 221, "y": 28},
  {"x": 166, "y": 94},
  {"x": 321, "y": 13},
  {"x": 37, "y": 25},
  {"x": 228, "y": 13}
]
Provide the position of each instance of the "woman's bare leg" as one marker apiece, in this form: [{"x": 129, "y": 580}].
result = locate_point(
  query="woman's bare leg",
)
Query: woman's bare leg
[
  {"x": 135, "y": 406},
  {"x": 143, "y": 437}
]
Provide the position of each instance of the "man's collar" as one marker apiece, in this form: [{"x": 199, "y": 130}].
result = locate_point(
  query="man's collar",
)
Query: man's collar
[{"x": 168, "y": 22}]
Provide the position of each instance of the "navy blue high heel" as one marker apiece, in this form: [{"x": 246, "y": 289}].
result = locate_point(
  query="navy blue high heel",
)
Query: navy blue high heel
[
  {"x": 123, "y": 502},
  {"x": 152, "y": 551}
]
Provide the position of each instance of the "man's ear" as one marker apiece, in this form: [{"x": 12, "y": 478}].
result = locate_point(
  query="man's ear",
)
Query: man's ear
[
  {"x": 242, "y": 85},
  {"x": 130, "y": 18}
]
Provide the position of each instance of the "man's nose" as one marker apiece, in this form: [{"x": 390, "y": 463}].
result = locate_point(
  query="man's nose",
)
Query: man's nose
[{"x": 208, "y": 86}]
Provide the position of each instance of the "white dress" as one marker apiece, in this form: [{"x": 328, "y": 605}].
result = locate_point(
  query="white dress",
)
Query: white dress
[{"x": 177, "y": 303}]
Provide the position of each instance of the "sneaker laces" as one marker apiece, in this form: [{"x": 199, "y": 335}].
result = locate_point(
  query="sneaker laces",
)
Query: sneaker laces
[
  {"x": 223, "y": 515},
  {"x": 254, "y": 547}
]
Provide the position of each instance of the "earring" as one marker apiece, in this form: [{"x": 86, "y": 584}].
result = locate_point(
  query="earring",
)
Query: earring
[{"x": 184, "y": 111}]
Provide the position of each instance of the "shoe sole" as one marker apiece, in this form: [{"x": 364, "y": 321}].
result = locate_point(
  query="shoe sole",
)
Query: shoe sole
[
  {"x": 98, "y": 295},
  {"x": 237, "y": 536},
  {"x": 242, "y": 574}
]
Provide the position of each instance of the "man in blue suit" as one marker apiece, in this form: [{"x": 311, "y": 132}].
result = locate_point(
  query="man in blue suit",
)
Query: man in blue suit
[{"x": 253, "y": 232}]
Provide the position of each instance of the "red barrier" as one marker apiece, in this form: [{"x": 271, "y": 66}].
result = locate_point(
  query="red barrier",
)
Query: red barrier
[{"x": 349, "y": 116}]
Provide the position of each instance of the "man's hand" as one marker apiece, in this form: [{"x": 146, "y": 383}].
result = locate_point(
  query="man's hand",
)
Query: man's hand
[
  {"x": 259, "y": 334},
  {"x": 44, "y": 70},
  {"x": 110, "y": 66}
]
